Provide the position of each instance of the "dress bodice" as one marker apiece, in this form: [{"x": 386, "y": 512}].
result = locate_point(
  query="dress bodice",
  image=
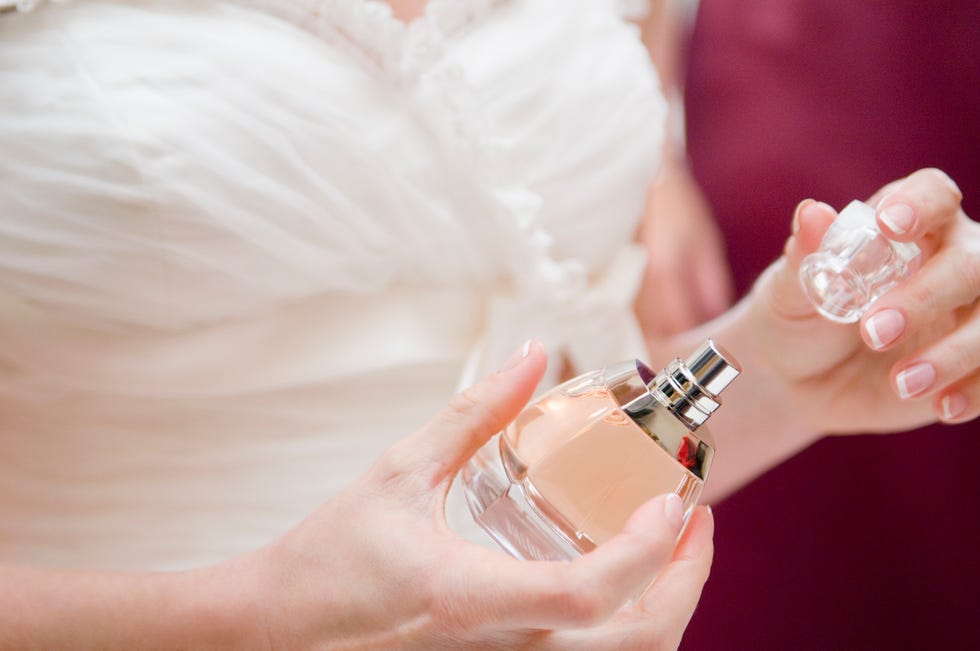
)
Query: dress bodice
[{"x": 209, "y": 204}]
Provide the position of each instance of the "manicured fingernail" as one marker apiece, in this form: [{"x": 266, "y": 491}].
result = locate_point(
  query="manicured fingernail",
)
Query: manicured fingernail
[
  {"x": 884, "y": 327},
  {"x": 517, "y": 357},
  {"x": 915, "y": 379},
  {"x": 898, "y": 217},
  {"x": 674, "y": 510},
  {"x": 796, "y": 214},
  {"x": 953, "y": 406}
]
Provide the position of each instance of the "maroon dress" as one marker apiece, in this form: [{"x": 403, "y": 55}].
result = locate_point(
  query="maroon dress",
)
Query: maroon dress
[{"x": 863, "y": 542}]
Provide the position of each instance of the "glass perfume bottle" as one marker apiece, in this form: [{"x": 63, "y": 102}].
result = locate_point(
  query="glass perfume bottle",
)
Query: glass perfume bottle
[{"x": 570, "y": 470}]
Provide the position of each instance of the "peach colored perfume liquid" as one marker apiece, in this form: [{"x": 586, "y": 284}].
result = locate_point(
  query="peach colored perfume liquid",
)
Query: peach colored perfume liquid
[
  {"x": 586, "y": 465},
  {"x": 569, "y": 472}
]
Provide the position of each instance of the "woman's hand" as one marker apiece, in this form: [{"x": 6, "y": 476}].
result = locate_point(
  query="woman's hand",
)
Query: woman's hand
[
  {"x": 913, "y": 359},
  {"x": 915, "y": 356},
  {"x": 377, "y": 566}
]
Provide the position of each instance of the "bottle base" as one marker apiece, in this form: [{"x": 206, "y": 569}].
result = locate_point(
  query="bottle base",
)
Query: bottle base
[{"x": 502, "y": 509}]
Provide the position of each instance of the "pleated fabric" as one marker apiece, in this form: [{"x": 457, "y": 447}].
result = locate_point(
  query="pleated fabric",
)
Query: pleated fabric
[{"x": 245, "y": 246}]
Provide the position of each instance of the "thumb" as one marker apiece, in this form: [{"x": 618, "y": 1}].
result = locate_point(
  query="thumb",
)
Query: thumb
[
  {"x": 781, "y": 282},
  {"x": 443, "y": 445}
]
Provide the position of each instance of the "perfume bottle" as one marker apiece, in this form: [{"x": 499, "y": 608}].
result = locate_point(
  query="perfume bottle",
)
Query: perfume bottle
[{"x": 571, "y": 469}]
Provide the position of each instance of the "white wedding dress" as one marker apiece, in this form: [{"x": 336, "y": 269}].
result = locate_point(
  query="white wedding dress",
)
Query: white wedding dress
[{"x": 246, "y": 246}]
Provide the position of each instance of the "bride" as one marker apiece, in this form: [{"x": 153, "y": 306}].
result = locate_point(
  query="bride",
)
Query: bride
[{"x": 247, "y": 247}]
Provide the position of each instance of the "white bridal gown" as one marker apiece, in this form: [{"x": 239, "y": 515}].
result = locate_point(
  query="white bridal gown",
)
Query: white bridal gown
[{"x": 245, "y": 246}]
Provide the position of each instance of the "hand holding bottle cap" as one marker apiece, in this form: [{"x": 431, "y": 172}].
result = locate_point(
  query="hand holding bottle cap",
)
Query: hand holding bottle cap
[{"x": 855, "y": 265}]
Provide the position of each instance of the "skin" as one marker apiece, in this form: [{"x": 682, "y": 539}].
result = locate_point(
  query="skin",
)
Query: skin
[
  {"x": 813, "y": 377},
  {"x": 407, "y": 10},
  {"x": 687, "y": 268}
]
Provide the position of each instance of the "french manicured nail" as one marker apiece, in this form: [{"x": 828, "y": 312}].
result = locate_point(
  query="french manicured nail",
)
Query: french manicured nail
[
  {"x": 915, "y": 379},
  {"x": 884, "y": 327},
  {"x": 796, "y": 214},
  {"x": 674, "y": 510},
  {"x": 517, "y": 357},
  {"x": 898, "y": 217},
  {"x": 953, "y": 406}
]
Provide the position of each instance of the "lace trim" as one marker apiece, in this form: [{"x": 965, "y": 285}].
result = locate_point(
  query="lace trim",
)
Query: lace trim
[{"x": 370, "y": 29}]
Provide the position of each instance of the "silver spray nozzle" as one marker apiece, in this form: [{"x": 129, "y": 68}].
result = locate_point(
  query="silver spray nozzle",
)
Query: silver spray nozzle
[{"x": 690, "y": 388}]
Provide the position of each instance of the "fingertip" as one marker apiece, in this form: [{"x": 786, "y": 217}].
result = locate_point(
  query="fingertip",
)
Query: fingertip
[
  {"x": 795, "y": 226},
  {"x": 953, "y": 407},
  {"x": 896, "y": 218},
  {"x": 911, "y": 380},
  {"x": 926, "y": 200},
  {"x": 525, "y": 365},
  {"x": 810, "y": 221},
  {"x": 473, "y": 416},
  {"x": 529, "y": 349},
  {"x": 698, "y": 538},
  {"x": 653, "y": 517},
  {"x": 883, "y": 328},
  {"x": 814, "y": 218}
]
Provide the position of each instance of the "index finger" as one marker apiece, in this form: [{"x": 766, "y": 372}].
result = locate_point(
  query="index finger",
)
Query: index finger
[{"x": 441, "y": 447}]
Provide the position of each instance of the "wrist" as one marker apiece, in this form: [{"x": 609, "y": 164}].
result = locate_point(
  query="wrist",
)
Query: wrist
[
  {"x": 227, "y": 605},
  {"x": 762, "y": 423}
]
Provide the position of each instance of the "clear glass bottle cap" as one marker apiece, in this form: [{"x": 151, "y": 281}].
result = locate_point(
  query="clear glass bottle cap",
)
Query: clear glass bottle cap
[{"x": 855, "y": 265}]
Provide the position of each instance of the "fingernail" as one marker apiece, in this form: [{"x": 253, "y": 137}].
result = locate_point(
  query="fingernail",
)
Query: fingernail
[
  {"x": 517, "y": 357},
  {"x": 796, "y": 214},
  {"x": 915, "y": 379},
  {"x": 674, "y": 510},
  {"x": 898, "y": 217},
  {"x": 884, "y": 327},
  {"x": 953, "y": 406}
]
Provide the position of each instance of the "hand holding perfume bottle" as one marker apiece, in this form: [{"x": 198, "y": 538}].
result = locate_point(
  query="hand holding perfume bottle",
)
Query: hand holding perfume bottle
[
  {"x": 570, "y": 470},
  {"x": 378, "y": 566}
]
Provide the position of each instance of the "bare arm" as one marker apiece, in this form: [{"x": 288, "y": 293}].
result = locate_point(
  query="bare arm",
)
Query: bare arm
[
  {"x": 687, "y": 268},
  {"x": 49, "y": 609}
]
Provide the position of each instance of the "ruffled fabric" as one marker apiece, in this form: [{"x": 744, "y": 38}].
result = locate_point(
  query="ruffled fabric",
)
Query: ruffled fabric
[{"x": 231, "y": 230}]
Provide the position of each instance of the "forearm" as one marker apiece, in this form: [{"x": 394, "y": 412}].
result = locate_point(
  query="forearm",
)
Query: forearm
[
  {"x": 48, "y": 609},
  {"x": 759, "y": 424},
  {"x": 663, "y": 31}
]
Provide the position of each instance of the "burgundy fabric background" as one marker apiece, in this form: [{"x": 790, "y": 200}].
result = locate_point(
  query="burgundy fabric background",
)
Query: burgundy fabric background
[{"x": 863, "y": 542}]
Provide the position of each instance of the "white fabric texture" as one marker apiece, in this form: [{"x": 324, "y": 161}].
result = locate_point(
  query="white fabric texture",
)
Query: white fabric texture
[{"x": 246, "y": 246}]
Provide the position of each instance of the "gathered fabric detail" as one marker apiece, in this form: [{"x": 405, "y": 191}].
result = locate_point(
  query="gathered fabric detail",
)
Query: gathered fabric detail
[
  {"x": 369, "y": 27},
  {"x": 247, "y": 245}
]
